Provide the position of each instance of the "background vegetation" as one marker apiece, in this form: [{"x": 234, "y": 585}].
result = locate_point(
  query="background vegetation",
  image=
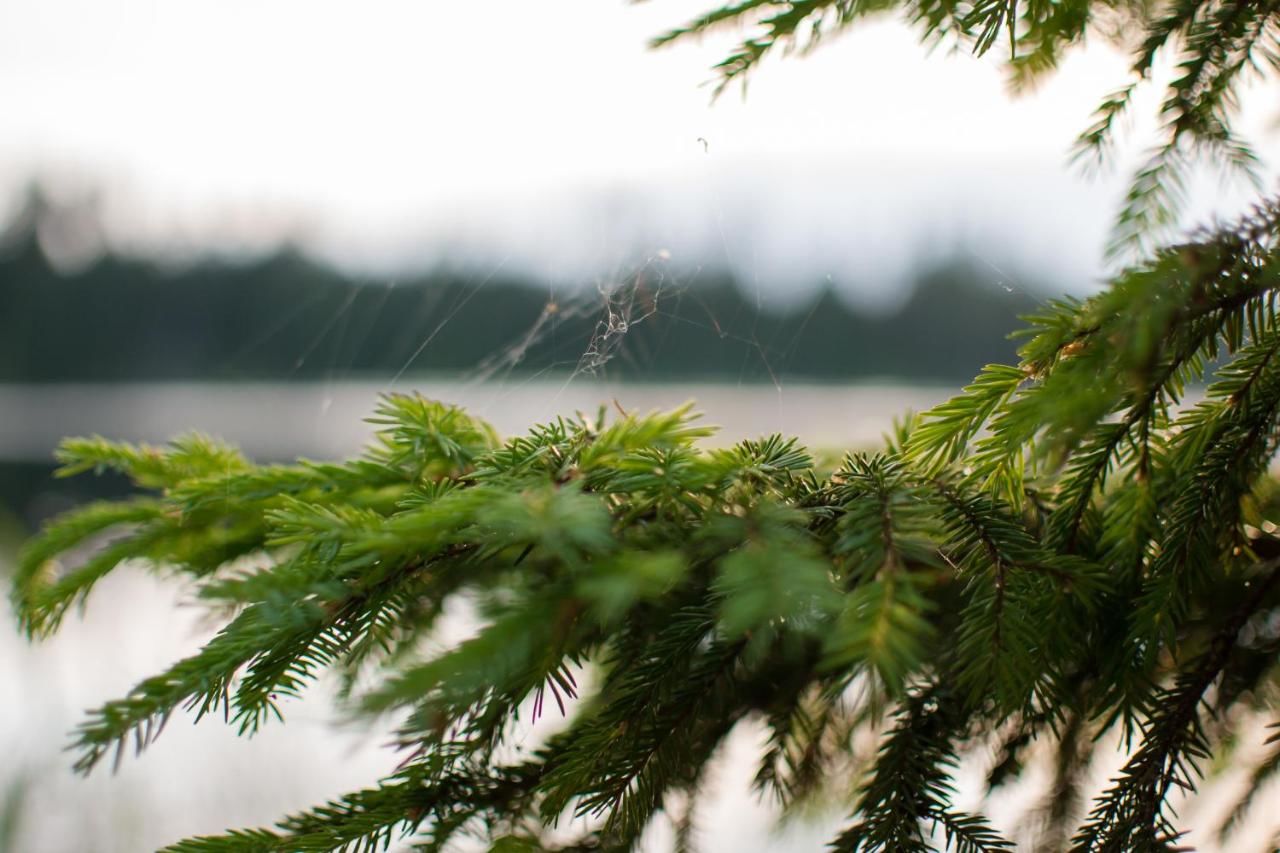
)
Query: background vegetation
[{"x": 287, "y": 317}]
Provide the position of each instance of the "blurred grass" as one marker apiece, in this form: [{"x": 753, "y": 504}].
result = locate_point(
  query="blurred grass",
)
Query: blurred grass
[{"x": 11, "y": 811}]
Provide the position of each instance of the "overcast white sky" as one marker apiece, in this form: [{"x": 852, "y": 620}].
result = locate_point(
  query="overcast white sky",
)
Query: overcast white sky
[{"x": 391, "y": 131}]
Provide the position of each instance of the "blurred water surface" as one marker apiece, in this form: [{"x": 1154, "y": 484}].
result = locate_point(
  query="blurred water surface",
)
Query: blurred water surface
[{"x": 326, "y": 420}]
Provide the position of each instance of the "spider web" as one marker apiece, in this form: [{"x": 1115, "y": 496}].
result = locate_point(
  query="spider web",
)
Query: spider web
[{"x": 612, "y": 309}]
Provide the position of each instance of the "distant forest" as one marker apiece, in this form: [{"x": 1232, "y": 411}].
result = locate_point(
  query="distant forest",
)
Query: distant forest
[{"x": 286, "y": 316}]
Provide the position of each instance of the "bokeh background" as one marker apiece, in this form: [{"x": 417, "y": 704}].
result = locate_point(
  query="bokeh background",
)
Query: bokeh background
[{"x": 251, "y": 217}]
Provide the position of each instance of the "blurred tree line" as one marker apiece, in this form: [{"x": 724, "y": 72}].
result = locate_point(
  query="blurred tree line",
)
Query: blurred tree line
[{"x": 286, "y": 316}]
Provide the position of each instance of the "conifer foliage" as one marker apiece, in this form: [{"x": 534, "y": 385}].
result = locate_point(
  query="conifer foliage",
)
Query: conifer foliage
[{"x": 1073, "y": 552}]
